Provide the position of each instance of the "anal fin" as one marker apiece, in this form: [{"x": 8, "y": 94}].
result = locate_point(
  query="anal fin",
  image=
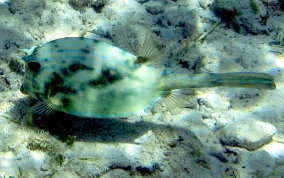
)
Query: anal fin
[{"x": 172, "y": 101}]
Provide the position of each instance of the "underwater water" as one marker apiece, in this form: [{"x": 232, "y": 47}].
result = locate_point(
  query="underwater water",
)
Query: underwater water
[{"x": 146, "y": 121}]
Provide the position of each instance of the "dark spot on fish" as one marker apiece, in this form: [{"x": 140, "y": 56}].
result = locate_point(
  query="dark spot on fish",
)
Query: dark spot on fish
[
  {"x": 65, "y": 71},
  {"x": 56, "y": 45},
  {"x": 45, "y": 59},
  {"x": 96, "y": 41},
  {"x": 131, "y": 65},
  {"x": 68, "y": 89},
  {"x": 79, "y": 58},
  {"x": 51, "y": 87},
  {"x": 61, "y": 89},
  {"x": 108, "y": 76},
  {"x": 56, "y": 79},
  {"x": 78, "y": 66},
  {"x": 66, "y": 102},
  {"x": 62, "y": 50},
  {"x": 85, "y": 51},
  {"x": 112, "y": 75}
]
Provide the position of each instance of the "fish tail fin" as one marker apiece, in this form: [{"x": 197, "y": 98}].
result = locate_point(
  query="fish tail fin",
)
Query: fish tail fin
[{"x": 236, "y": 79}]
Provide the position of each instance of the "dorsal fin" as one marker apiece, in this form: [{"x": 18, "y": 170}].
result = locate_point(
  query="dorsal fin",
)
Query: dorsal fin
[{"x": 149, "y": 53}]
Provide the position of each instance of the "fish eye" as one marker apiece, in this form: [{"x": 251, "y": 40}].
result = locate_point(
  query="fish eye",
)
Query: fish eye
[{"x": 34, "y": 65}]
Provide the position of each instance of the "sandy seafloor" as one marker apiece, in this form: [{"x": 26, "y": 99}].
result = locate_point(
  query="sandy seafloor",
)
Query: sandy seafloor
[{"x": 218, "y": 132}]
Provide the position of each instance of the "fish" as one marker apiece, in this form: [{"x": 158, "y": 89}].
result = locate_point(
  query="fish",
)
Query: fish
[{"x": 91, "y": 78}]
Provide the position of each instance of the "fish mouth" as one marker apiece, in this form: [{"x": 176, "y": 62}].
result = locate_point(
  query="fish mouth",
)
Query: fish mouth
[{"x": 23, "y": 90}]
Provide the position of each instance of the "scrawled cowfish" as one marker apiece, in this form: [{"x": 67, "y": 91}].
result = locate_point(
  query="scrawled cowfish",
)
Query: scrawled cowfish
[{"x": 91, "y": 78}]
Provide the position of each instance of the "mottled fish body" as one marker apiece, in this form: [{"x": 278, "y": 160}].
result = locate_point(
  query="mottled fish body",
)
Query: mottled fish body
[{"x": 91, "y": 78}]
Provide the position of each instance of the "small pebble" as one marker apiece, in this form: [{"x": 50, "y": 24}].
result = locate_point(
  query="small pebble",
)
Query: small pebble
[
  {"x": 154, "y": 7},
  {"x": 44, "y": 167},
  {"x": 250, "y": 134}
]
